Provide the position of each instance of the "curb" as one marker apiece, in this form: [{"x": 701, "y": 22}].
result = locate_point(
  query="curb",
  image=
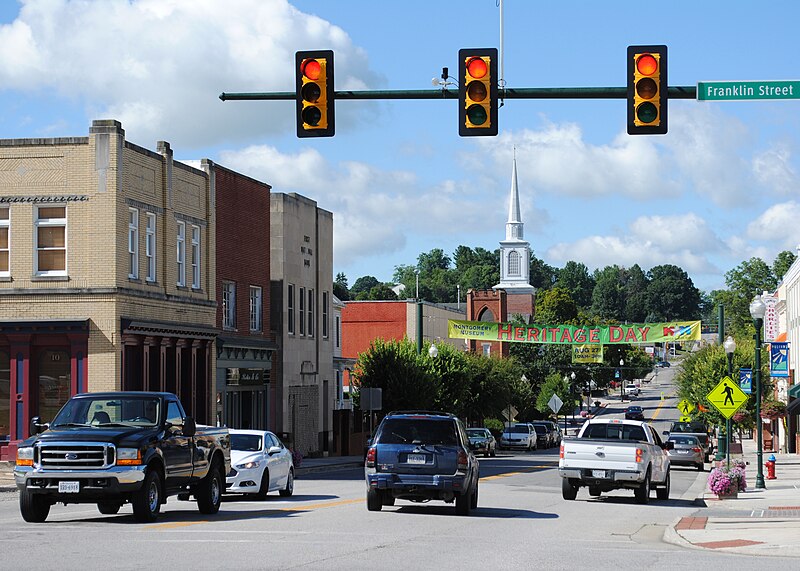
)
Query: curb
[{"x": 327, "y": 468}]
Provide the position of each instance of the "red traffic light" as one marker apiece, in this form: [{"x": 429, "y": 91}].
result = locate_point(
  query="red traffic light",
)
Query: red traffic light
[
  {"x": 477, "y": 67},
  {"x": 646, "y": 64},
  {"x": 311, "y": 69},
  {"x": 647, "y": 90}
]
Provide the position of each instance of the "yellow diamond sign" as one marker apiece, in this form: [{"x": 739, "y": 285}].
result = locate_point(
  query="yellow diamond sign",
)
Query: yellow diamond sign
[
  {"x": 685, "y": 407},
  {"x": 727, "y": 397}
]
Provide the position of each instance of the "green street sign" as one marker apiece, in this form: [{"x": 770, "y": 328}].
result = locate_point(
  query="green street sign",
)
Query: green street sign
[{"x": 746, "y": 90}]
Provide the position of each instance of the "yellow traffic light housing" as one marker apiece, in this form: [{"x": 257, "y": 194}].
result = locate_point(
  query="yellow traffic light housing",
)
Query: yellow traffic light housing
[
  {"x": 477, "y": 92},
  {"x": 647, "y": 90},
  {"x": 314, "y": 93}
]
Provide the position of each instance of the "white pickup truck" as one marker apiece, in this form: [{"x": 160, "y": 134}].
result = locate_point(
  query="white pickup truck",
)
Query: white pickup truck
[{"x": 611, "y": 454}]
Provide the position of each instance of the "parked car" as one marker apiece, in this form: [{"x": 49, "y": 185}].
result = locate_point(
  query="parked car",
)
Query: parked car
[
  {"x": 687, "y": 451},
  {"x": 544, "y": 435},
  {"x": 481, "y": 440},
  {"x": 663, "y": 364},
  {"x": 631, "y": 390},
  {"x": 421, "y": 456},
  {"x": 260, "y": 464},
  {"x": 634, "y": 412},
  {"x": 521, "y": 435}
]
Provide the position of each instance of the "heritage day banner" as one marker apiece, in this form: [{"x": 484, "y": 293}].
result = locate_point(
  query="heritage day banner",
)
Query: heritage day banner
[{"x": 574, "y": 334}]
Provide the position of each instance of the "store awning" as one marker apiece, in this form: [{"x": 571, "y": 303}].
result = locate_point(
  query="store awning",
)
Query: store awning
[
  {"x": 794, "y": 391},
  {"x": 793, "y": 408}
]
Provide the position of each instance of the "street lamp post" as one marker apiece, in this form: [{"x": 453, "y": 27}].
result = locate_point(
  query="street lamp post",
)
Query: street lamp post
[
  {"x": 757, "y": 310},
  {"x": 572, "y": 376},
  {"x": 730, "y": 347},
  {"x": 621, "y": 382}
]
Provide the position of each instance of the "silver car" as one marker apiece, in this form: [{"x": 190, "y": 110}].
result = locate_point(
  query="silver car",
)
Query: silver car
[{"x": 687, "y": 451}]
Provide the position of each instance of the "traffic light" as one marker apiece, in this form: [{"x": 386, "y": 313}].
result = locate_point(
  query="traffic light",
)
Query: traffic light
[
  {"x": 314, "y": 92},
  {"x": 477, "y": 92},
  {"x": 647, "y": 90}
]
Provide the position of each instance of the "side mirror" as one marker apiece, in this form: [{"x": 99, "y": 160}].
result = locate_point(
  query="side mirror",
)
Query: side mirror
[
  {"x": 665, "y": 432},
  {"x": 189, "y": 426},
  {"x": 273, "y": 450},
  {"x": 36, "y": 425}
]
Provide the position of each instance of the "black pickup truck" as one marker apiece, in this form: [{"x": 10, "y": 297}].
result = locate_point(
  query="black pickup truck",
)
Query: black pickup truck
[{"x": 118, "y": 447}]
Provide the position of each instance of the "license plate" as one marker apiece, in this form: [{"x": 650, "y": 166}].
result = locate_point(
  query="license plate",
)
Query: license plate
[
  {"x": 598, "y": 473},
  {"x": 69, "y": 487},
  {"x": 682, "y": 451},
  {"x": 415, "y": 459}
]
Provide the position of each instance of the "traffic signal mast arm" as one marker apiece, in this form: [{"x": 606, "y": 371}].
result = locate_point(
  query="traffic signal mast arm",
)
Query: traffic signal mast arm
[{"x": 679, "y": 92}]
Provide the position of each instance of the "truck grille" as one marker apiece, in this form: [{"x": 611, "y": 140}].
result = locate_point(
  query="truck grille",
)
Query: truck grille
[{"x": 74, "y": 455}]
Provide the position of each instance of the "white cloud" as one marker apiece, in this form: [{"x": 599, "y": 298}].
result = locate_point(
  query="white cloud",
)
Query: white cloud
[
  {"x": 684, "y": 241},
  {"x": 773, "y": 170},
  {"x": 159, "y": 66},
  {"x": 778, "y": 225}
]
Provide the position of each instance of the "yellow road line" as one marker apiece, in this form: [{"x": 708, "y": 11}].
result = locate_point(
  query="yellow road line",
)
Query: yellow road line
[
  {"x": 658, "y": 410},
  {"x": 517, "y": 473}
]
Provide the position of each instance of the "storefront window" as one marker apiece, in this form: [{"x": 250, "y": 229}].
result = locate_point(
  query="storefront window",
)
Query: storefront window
[
  {"x": 5, "y": 396},
  {"x": 54, "y": 382}
]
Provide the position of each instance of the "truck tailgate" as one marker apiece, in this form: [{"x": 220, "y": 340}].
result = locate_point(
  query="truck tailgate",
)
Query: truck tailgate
[{"x": 602, "y": 454}]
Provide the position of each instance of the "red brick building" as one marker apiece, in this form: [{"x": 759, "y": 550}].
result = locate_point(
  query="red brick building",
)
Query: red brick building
[{"x": 245, "y": 397}]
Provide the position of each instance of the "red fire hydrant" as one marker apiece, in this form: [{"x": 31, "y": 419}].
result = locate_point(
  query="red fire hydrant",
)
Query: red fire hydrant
[{"x": 770, "y": 464}]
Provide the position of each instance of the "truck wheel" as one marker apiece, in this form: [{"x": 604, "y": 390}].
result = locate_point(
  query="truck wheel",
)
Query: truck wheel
[
  {"x": 642, "y": 493},
  {"x": 34, "y": 508},
  {"x": 568, "y": 491},
  {"x": 374, "y": 500},
  {"x": 209, "y": 491},
  {"x": 289, "y": 489},
  {"x": 463, "y": 503},
  {"x": 663, "y": 493},
  {"x": 263, "y": 487},
  {"x": 474, "y": 501},
  {"x": 109, "y": 508},
  {"x": 147, "y": 500},
  {"x": 387, "y": 499}
]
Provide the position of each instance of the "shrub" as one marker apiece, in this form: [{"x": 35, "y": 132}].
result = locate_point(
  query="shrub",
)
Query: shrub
[{"x": 722, "y": 480}]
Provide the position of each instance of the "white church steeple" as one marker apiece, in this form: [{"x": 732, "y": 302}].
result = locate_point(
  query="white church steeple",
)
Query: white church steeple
[{"x": 515, "y": 252}]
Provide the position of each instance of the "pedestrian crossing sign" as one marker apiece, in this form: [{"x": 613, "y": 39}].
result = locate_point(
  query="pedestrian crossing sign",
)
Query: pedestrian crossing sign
[
  {"x": 685, "y": 407},
  {"x": 727, "y": 397}
]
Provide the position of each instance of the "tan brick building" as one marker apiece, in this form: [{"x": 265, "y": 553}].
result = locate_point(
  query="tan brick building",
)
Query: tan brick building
[{"x": 107, "y": 275}]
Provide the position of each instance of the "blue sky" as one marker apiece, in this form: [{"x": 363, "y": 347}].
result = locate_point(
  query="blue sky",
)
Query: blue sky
[{"x": 722, "y": 186}]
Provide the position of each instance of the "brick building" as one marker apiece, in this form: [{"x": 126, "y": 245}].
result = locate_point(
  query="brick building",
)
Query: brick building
[
  {"x": 107, "y": 278},
  {"x": 245, "y": 395}
]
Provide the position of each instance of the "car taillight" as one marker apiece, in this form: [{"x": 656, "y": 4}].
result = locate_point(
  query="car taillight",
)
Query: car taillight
[
  {"x": 639, "y": 453},
  {"x": 462, "y": 460},
  {"x": 696, "y": 450},
  {"x": 561, "y": 451},
  {"x": 371, "y": 455}
]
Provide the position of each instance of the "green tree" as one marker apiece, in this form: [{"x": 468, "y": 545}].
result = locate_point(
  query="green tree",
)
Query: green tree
[
  {"x": 749, "y": 278},
  {"x": 555, "y": 306},
  {"x": 554, "y": 383},
  {"x": 363, "y": 284},
  {"x": 671, "y": 294},
  {"x": 340, "y": 287},
  {"x": 542, "y": 275},
  {"x": 407, "y": 382},
  {"x": 782, "y": 263},
  {"x": 608, "y": 297},
  {"x": 636, "y": 306},
  {"x": 575, "y": 278},
  {"x": 381, "y": 292}
]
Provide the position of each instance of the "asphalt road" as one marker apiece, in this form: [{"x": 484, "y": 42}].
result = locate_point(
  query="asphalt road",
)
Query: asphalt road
[{"x": 521, "y": 523}]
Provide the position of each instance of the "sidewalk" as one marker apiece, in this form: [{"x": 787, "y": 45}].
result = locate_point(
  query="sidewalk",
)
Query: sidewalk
[
  {"x": 758, "y": 522},
  {"x": 308, "y": 466}
]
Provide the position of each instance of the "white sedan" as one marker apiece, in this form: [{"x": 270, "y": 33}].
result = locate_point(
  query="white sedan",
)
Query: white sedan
[{"x": 260, "y": 464}]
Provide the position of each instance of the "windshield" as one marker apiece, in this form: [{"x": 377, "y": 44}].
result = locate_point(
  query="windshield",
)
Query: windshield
[
  {"x": 124, "y": 411},
  {"x": 475, "y": 433},
  {"x": 520, "y": 428},
  {"x": 246, "y": 442},
  {"x": 417, "y": 431}
]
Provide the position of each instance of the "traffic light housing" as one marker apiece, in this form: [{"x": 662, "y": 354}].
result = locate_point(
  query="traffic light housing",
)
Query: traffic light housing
[
  {"x": 647, "y": 90},
  {"x": 314, "y": 93},
  {"x": 477, "y": 92}
]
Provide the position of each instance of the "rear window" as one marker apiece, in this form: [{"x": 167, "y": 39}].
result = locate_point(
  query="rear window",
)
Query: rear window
[
  {"x": 684, "y": 440},
  {"x": 614, "y": 432},
  {"x": 417, "y": 431},
  {"x": 540, "y": 429}
]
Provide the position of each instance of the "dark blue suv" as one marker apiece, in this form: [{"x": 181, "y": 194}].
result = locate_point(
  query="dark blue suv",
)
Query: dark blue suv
[{"x": 421, "y": 456}]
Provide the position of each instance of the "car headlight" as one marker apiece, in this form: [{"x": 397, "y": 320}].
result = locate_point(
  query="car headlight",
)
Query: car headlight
[
  {"x": 25, "y": 456},
  {"x": 248, "y": 465},
  {"x": 129, "y": 457}
]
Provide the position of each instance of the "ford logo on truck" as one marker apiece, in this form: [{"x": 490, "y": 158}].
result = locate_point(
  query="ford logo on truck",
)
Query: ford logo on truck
[{"x": 71, "y": 456}]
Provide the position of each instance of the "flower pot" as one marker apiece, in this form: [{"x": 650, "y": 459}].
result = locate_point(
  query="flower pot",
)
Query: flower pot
[{"x": 732, "y": 495}]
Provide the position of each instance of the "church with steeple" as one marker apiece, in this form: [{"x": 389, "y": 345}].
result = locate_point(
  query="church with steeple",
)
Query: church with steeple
[{"x": 514, "y": 296}]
